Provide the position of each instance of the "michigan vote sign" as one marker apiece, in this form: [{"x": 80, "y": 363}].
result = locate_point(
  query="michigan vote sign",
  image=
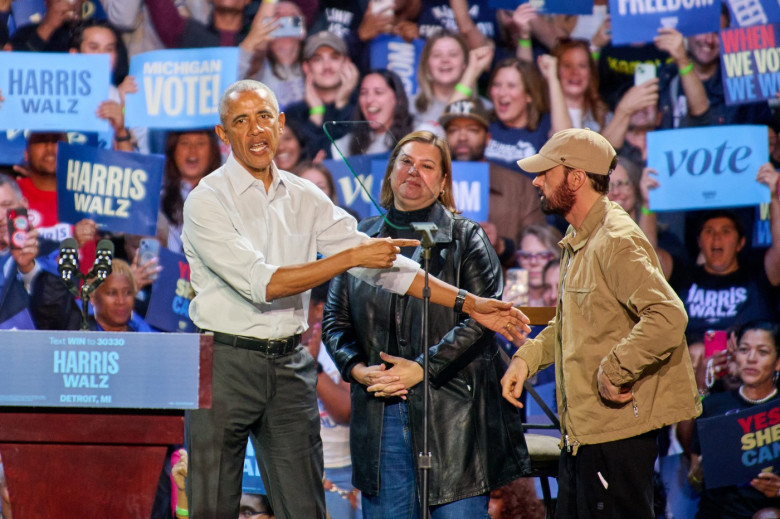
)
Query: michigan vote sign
[
  {"x": 709, "y": 167},
  {"x": 118, "y": 189},
  {"x": 53, "y": 91},
  {"x": 180, "y": 89}
]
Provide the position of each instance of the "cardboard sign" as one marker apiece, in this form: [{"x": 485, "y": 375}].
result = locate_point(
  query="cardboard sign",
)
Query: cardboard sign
[
  {"x": 169, "y": 303},
  {"x": 736, "y": 447},
  {"x": 53, "y": 91},
  {"x": 118, "y": 189},
  {"x": 180, "y": 89},
  {"x": 750, "y": 63},
  {"x": 710, "y": 167}
]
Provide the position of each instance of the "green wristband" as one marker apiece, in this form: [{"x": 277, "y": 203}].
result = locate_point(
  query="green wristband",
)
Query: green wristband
[
  {"x": 595, "y": 55},
  {"x": 686, "y": 69},
  {"x": 463, "y": 89},
  {"x": 645, "y": 210},
  {"x": 184, "y": 512},
  {"x": 524, "y": 43},
  {"x": 317, "y": 110}
]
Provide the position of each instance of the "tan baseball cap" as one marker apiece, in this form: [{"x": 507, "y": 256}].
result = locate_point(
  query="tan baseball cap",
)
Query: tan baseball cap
[{"x": 575, "y": 148}]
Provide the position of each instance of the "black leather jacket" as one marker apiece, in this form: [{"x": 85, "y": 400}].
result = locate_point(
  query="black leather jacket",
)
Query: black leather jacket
[{"x": 475, "y": 436}]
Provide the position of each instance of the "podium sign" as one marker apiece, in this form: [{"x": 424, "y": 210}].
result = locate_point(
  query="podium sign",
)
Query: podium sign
[{"x": 99, "y": 369}]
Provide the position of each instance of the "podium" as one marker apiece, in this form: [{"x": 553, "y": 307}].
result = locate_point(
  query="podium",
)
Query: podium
[{"x": 102, "y": 458}]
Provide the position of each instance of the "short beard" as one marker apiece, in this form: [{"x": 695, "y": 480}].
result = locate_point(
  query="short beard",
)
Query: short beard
[{"x": 560, "y": 202}]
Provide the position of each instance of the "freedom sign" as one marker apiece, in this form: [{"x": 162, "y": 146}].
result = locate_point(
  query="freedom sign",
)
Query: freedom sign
[
  {"x": 750, "y": 61},
  {"x": 53, "y": 91},
  {"x": 396, "y": 54},
  {"x": 635, "y": 21},
  {"x": 120, "y": 190},
  {"x": 547, "y": 6},
  {"x": 169, "y": 303},
  {"x": 180, "y": 89},
  {"x": 736, "y": 447},
  {"x": 709, "y": 167}
]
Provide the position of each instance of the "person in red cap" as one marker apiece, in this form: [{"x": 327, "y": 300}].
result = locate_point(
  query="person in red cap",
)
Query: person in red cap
[{"x": 622, "y": 366}]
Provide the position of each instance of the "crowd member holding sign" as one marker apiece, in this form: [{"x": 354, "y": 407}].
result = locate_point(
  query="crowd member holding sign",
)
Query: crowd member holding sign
[
  {"x": 692, "y": 90},
  {"x": 251, "y": 287},
  {"x": 758, "y": 363},
  {"x": 622, "y": 367},
  {"x": 99, "y": 37},
  {"x": 39, "y": 188},
  {"x": 725, "y": 290},
  {"x": 374, "y": 339}
]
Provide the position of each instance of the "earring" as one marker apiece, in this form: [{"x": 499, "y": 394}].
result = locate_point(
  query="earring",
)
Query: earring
[{"x": 774, "y": 379}]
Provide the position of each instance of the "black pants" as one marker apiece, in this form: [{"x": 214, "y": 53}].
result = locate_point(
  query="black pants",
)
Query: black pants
[
  {"x": 275, "y": 401},
  {"x": 612, "y": 480}
]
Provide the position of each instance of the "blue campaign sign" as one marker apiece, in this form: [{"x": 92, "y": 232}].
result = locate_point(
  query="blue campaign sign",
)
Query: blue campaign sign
[
  {"x": 749, "y": 63},
  {"x": 356, "y": 193},
  {"x": 27, "y": 12},
  {"x": 12, "y": 145},
  {"x": 471, "y": 187},
  {"x": 169, "y": 303},
  {"x": 118, "y": 189},
  {"x": 703, "y": 168},
  {"x": 99, "y": 369},
  {"x": 180, "y": 89},
  {"x": 547, "y": 6},
  {"x": 252, "y": 482},
  {"x": 736, "y": 447},
  {"x": 53, "y": 91},
  {"x": 753, "y": 12},
  {"x": 398, "y": 55},
  {"x": 636, "y": 21}
]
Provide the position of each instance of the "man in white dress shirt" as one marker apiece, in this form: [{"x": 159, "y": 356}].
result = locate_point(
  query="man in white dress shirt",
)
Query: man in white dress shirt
[{"x": 251, "y": 234}]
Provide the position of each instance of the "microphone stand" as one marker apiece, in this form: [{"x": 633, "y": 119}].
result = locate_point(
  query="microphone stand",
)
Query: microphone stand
[{"x": 426, "y": 229}]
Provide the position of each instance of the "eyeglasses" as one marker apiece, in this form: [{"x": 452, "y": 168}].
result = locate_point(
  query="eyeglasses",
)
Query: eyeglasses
[
  {"x": 536, "y": 256},
  {"x": 619, "y": 184}
]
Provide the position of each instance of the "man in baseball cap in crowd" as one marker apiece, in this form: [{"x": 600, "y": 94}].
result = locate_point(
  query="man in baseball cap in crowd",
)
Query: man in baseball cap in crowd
[
  {"x": 618, "y": 338},
  {"x": 512, "y": 205},
  {"x": 331, "y": 80}
]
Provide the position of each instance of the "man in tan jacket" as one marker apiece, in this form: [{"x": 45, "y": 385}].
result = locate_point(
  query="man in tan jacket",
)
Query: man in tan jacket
[{"x": 617, "y": 339}]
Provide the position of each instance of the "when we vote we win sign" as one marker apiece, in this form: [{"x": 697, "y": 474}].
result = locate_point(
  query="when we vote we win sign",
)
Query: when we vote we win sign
[{"x": 750, "y": 63}]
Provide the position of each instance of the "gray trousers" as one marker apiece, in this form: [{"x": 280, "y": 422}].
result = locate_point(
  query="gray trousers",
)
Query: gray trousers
[{"x": 275, "y": 401}]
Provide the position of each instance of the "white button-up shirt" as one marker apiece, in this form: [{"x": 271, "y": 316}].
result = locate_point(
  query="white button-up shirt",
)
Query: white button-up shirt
[{"x": 236, "y": 235}]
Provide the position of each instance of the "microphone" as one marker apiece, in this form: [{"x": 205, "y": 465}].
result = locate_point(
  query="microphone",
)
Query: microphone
[
  {"x": 68, "y": 264},
  {"x": 103, "y": 260}
]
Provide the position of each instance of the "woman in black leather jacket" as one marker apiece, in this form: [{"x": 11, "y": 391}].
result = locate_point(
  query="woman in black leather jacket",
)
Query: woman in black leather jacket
[{"x": 374, "y": 337}]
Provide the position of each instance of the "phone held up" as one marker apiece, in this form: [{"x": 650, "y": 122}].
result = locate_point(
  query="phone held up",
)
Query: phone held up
[
  {"x": 18, "y": 227},
  {"x": 643, "y": 72},
  {"x": 289, "y": 27},
  {"x": 149, "y": 249}
]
